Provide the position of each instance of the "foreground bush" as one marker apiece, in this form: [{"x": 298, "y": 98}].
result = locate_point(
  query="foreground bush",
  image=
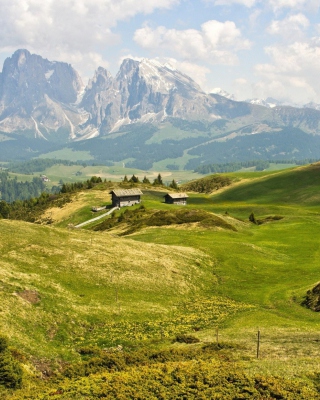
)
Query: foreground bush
[
  {"x": 10, "y": 370},
  {"x": 186, "y": 380}
]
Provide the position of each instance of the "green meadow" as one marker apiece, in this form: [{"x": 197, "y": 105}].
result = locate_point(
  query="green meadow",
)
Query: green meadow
[{"x": 219, "y": 278}]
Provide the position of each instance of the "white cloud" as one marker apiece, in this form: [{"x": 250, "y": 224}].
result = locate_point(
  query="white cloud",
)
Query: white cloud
[
  {"x": 75, "y": 28},
  {"x": 247, "y": 3},
  {"x": 308, "y": 5},
  {"x": 276, "y": 5},
  {"x": 216, "y": 42},
  {"x": 241, "y": 81},
  {"x": 197, "y": 72},
  {"x": 293, "y": 73},
  {"x": 292, "y": 27}
]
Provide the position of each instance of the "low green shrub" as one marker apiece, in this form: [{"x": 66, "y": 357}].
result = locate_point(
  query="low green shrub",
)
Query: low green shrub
[
  {"x": 10, "y": 370},
  {"x": 186, "y": 339}
]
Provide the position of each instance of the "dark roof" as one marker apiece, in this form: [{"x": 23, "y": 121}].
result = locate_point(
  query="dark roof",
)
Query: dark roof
[
  {"x": 126, "y": 192},
  {"x": 177, "y": 195}
]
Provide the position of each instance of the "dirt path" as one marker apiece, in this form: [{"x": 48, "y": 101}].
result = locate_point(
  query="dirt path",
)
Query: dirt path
[{"x": 96, "y": 218}]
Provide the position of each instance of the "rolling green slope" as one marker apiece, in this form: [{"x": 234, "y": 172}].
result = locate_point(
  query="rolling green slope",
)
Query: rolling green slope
[
  {"x": 300, "y": 187},
  {"x": 63, "y": 289}
]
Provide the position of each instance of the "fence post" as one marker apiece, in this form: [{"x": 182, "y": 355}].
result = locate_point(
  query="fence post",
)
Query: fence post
[{"x": 258, "y": 343}]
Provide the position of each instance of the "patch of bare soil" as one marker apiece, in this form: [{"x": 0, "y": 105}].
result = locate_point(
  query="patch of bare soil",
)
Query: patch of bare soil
[{"x": 30, "y": 295}]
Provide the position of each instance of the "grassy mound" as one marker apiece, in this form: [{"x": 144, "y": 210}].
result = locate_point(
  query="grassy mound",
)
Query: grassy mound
[{"x": 131, "y": 221}]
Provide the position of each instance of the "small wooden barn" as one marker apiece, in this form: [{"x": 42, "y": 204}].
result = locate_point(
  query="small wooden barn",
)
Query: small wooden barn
[
  {"x": 176, "y": 198},
  {"x": 125, "y": 197}
]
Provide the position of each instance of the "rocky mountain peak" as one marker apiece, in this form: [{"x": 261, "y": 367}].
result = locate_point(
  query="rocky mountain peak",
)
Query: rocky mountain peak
[
  {"x": 30, "y": 77},
  {"x": 142, "y": 90},
  {"x": 20, "y": 57},
  {"x": 32, "y": 92},
  {"x": 127, "y": 68}
]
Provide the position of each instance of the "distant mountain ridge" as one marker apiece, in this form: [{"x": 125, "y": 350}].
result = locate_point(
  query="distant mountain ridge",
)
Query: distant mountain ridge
[
  {"x": 44, "y": 103},
  {"x": 143, "y": 91}
]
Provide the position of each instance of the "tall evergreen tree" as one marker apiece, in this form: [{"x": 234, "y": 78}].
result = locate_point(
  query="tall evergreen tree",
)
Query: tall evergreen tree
[
  {"x": 134, "y": 179},
  {"x": 158, "y": 180},
  {"x": 173, "y": 184}
]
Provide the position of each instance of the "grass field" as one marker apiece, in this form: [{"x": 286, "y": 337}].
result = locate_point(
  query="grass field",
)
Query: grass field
[
  {"x": 115, "y": 173},
  {"x": 64, "y": 288}
]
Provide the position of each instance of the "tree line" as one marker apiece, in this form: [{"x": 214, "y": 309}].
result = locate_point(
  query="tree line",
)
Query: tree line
[
  {"x": 32, "y": 208},
  {"x": 73, "y": 187},
  {"x": 39, "y": 165},
  {"x": 259, "y": 165},
  {"x": 12, "y": 190},
  {"x": 156, "y": 182}
]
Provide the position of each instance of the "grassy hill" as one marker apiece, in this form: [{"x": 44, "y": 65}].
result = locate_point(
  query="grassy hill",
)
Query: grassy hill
[
  {"x": 67, "y": 295},
  {"x": 59, "y": 286},
  {"x": 300, "y": 186}
]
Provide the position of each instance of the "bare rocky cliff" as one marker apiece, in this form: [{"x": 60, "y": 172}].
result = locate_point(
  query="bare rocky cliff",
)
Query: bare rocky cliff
[
  {"x": 36, "y": 96},
  {"x": 144, "y": 91}
]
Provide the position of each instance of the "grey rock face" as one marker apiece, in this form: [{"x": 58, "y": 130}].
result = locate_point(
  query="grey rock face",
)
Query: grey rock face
[
  {"x": 35, "y": 94},
  {"x": 144, "y": 91}
]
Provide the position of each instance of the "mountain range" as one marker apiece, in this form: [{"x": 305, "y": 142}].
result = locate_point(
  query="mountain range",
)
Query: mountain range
[{"x": 148, "y": 113}]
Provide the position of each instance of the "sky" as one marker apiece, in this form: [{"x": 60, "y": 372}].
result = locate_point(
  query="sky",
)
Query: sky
[{"x": 249, "y": 48}]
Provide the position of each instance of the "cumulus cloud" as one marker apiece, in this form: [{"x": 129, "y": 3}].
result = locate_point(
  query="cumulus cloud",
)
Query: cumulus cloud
[
  {"x": 215, "y": 43},
  {"x": 241, "y": 81},
  {"x": 308, "y": 5},
  {"x": 197, "y": 72},
  {"x": 71, "y": 27},
  {"x": 292, "y": 27},
  {"x": 293, "y": 73}
]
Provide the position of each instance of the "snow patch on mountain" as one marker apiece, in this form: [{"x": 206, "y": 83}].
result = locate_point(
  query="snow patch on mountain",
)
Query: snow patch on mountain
[
  {"x": 48, "y": 74},
  {"x": 223, "y": 93}
]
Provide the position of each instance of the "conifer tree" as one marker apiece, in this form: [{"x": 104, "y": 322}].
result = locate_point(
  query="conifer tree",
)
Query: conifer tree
[
  {"x": 252, "y": 218},
  {"x": 158, "y": 180},
  {"x": 134, "y": 179},
  {"x": 173, "y": 184}
]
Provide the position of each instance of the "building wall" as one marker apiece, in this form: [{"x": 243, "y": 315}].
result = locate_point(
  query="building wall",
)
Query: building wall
[
  {"x": 125, "y": 201},
  {"x": 169, "y": 200},
  {"x": 180, "y": 202}
]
